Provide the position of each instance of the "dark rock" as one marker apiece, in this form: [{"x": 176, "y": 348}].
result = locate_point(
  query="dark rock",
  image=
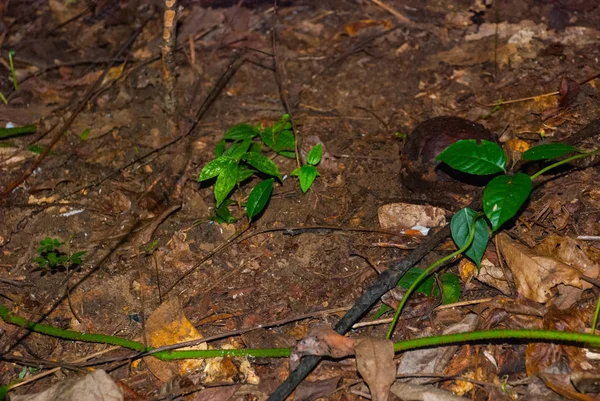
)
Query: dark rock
[{"x": 422, "y": 174}]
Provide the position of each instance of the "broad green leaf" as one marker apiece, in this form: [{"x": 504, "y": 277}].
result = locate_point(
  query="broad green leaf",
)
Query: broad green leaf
[
  {"x": 469, "y": 157},
  {"x": 240, "y": 132},
  {"x": 214, "y": 168},
  {"x": 220, "y": 148},
  {"x": 226, "y": 182},
  {"x": 259, "y": 197},
  {"x": 255, "y": 147},
  {"x": 315, "y": 154},
  {"x": 285, "y": 141},
  {"x": 450, "y": 288},
  {"x": 268, "y": 137},
  {"x": 223, "y": 215},
  {"x": 461, "y": 231},
  {"x": 504, "y": 196},
  {"x": 16, "y": 131},
  {"x": 408, "y": 278},
  {"x": 295, "y": 172},
  {"x": 290, "y": 154},
  {"x": 548, "y": 151},
  {"x": 237, "y": 150},
  {"x": 262, "y": 164},
  {"x": 307, "y": 176},
  {"x": 244, "y": 173}
]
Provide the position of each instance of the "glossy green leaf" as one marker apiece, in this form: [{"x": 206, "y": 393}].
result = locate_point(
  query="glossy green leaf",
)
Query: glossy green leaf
[
  {"x": 241, "y": 132},
  {"x": 504, "y": 196},
  {"x": 222, "y": 213},
  {"x": 244, "y": 173},
  {"x": 258, "y": 198},
  {"x": 450, "y": 288},
  {"x": 237, "y": 150},
  {"x": 284, "y": 142},
  {"x": 307, "y": 177},
  {"x": 408, "y": 278},
  {"x": 290, "y": 154},
  {"x": 548, "y": 151},
  {"x": 214, "y": 167},
  {"x": 262, "y": 164},
  {"x": 220, "y": 148},
  {"x": 315, "y": 154},
  {"x": 268, "y": 137},
  {"x": 461, "y": 225},
  {"x": 469, "y": 157},
  {"x": 383, "y": 309},
  {"x": 226, "y": 182}
]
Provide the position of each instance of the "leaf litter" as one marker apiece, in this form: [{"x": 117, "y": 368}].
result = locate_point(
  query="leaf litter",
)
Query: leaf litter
[{"x": 353, "y": 107}]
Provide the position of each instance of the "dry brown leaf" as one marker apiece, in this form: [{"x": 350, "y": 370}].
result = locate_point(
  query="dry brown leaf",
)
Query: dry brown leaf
[
  {"x": 322, "y": 341},
  {"x": 96, "y": 386},
  {"x": 535, "y": 275},
  {"x": 168, "y": 325},
  {"x": 375, "y": 363}
]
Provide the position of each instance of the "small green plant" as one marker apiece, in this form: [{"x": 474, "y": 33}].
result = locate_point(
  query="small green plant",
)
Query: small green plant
[
  {"x": 52, "y": 259},
  {"x": 238, "y": 157},
  {"x": 503, "y": 196},
  {"x": 308, "y": 172}
]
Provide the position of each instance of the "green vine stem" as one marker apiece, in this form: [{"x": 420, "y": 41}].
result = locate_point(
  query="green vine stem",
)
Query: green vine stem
[
  {"x": 426, "y": 273},
  {"x": 580, "y": 339},
  {"x": 134, "y": 345},
  {"x": 567, "y": 160}
]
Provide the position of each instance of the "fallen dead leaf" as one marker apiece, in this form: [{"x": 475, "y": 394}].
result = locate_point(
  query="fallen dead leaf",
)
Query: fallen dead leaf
[
  {"x": 322, "y": 341},
  {"x": 95, "y": 386},
  {"x": 375, "y": 363},
  {"x": 168, "y": 325},
  {"x": 535, "y": 275}
]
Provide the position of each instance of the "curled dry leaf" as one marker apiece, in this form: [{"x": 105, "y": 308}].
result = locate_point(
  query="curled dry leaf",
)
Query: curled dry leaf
[
  {"x": 535, "y": 275},
  {"x": 322, "y": 341},
  {"x": 375, "y": 363}
]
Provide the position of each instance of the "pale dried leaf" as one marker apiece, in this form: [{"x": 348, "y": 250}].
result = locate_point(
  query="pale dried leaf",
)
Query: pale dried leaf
[
  {"x": 168, "y": 325},
  {"x": 417, "y": 392},
  {"x": 322, "y": 341},
  {"x": 96, "y": 386},
  {"x": 535, "y": 275},
  {"x": 375, "y": 363}
]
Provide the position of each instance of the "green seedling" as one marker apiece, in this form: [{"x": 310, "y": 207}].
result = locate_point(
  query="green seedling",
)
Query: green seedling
[
  {"x": 53, "y": 260},
  {"x": 239, "y": 156},
  {"x": 308, "y": 172},
  {"x": 503, "y": 197}
]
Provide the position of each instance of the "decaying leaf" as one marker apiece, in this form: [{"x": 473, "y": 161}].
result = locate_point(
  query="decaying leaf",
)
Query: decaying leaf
[
  {"x": 96, "y": 386},
  {"x": 535, "y": 275},
  {"x": 322, "y": 341},
  {"x": 418, "y": 392},
  {"x": 168, "y": 325},
  {"x": 375, "y": 363}
]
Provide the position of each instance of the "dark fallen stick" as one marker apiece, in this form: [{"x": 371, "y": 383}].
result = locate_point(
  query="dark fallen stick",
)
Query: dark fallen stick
[
  {"x": 388, "y": 280},
  {"x": 385, "y": 282}
]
